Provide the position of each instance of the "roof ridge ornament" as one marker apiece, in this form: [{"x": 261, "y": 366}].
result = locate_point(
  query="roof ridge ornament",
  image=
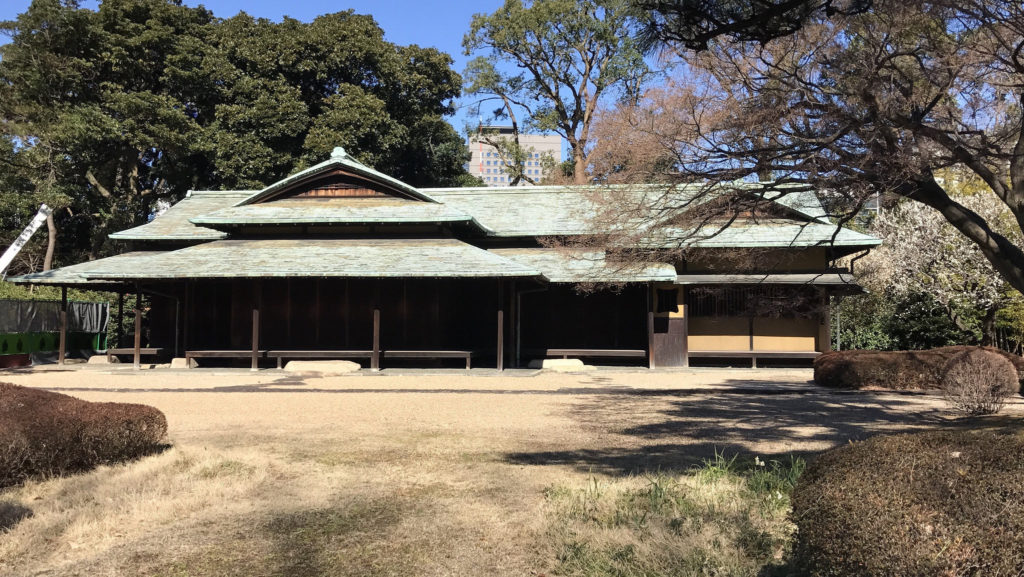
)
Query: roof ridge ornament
[{"x": 338, "y": 152}]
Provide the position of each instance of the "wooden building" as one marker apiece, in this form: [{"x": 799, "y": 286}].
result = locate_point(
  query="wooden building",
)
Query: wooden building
[{"x": 341, "y": 261}]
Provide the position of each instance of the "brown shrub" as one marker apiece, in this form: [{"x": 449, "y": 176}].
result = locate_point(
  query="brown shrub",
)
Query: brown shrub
[
  {"x": 933, "y": 503},
  {"x": 44, "y": 433},
  {"x": 978, "y": 382},
  {"x": 901, "y": 370}
]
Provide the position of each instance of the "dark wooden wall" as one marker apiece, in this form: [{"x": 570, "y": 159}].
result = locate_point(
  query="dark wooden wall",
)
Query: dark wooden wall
[
  {"x": 338, "y": 314},
  {"x": 561, "y": 318}
]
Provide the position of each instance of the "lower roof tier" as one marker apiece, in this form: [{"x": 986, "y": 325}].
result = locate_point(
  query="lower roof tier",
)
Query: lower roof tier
[{"x": 288, "y": 258}]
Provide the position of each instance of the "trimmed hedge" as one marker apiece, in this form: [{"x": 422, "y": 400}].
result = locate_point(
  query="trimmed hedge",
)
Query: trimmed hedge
[
  {"x": 44, "y": 433},
  {"x": 902, "y": 370},
  {"x": 933, "y": 503}
]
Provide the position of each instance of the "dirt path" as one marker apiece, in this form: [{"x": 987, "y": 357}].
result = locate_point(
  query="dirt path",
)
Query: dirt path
[{"x": 429, "y": 474}]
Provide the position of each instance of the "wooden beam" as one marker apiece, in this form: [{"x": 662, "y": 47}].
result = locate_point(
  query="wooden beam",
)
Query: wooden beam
[
  {"x": 63, "y": 324},
  {"x": 137, "y": 355},
  {"x": 375, "y": 359}
]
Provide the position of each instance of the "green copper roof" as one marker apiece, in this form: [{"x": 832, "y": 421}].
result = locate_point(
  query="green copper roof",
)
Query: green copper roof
[
  {"x": 333, "y": 211},
  {"x": 823, "y": 279},
  {"x": 524, "y": 211},
  {"x": 174, "y": 224},
  {"x": 561, "y": 266},
  {"x": 78, "y": 274},
  {"x": 313, "y": 258},
  {"x": 339, "y": 159},
  {"x": 763, "y": 234}
]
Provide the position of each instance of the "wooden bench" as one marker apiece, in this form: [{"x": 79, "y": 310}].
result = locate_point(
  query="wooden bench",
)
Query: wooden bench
[
  {"x": 280, "y": 355},
  {"x": 754, "y": 355},
  {"x": 468, "y": 355},
  {"x": 222, "y": 354},
  {"x": 144, "y": 352},
  {"x": 566, "y": 353}
]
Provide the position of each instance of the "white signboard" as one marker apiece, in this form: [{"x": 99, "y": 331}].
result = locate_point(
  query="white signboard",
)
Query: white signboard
[{"x": 16, "y": 246}]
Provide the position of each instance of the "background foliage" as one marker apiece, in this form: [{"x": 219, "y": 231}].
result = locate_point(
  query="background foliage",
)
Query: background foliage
[{"x": 103, "y": 112}]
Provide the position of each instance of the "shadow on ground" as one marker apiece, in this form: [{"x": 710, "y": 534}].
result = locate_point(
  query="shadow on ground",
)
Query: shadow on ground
[{"x": 658, "y": 431}]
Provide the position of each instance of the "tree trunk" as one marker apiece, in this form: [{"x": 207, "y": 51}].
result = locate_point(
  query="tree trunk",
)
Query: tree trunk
[
  {"x": 988, "y": 328},
  {"x": 51, "y": 242},
  {"x": 579, "y": 169}
]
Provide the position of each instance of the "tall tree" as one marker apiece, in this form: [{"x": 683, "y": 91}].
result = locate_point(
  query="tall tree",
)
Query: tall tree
[
  {"x": 110, "y": 110},
  {"x": 875, "y": 102},
  {"x": 924, "y": 254},
  {"x": 566, "y": 56},
  {"x": 693, "y": 24}
]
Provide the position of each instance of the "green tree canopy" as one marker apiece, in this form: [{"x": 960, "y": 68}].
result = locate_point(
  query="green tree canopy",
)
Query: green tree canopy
[
  {"x": 105, "y": 111},
  {"x": 567, "y": 54}
]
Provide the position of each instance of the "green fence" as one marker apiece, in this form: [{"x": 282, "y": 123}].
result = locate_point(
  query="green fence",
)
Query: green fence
[{"x": 21, "y": 343}]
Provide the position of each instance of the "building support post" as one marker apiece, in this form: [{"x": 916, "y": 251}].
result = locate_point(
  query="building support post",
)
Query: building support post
[
  {"x": 514, "y": 328},
  {"x": 120, "y": 319},
  {"x": 501, "y": 326},
  {"x": 257, "y": 297},
  {"x": 375, "y": 358},
  {"x": 753, "y": 359},
  {"x": 686, "y": 333},
  {"x": 63, "y": 324},
  {"x": 650, "y": 327},
  {"x": 137, "y": 353},
  {"x": 185, "y": 316}
]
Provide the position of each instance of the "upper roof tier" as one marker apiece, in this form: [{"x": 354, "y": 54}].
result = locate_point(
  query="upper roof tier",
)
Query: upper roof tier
[{"x": 343, "y": 192}]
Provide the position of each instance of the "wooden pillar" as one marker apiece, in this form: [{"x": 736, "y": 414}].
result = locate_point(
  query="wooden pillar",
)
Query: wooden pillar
[
  {"x": 257, "y": 296},
  {"x": 650, "y": 326},
  {"x": 137, "y": 353},
  {"x": 63, "y": 324},
  {"x": 750, "y": 325},
  {"x": 514, "y": 329},
  {"x": 120, "y": 319},
  {"x": 187, "y": 314},
  {"x": 686, "y": 333},
  {"x": 375, "y": 359},
  {"x": 501, "y": 326}
]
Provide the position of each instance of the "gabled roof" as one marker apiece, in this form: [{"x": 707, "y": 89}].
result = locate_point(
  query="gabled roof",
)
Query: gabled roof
[
  {"x": 314, "y": 258},
  {"x": 174, "y": 224},
  {"x": 766, "y": 234},
  {"x": 339, "y": 160},
  {"x": 333, "y": 211},
  {"x": 524, "y": 211},
  {"x": 563, "y": 266}
]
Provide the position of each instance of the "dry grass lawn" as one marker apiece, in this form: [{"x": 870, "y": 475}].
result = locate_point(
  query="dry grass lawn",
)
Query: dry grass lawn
[{"x": 439, "y": 475}]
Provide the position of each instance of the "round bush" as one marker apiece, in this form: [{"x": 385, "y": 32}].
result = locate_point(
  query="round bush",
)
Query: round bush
[
  {"x": 933, "y": 503},
  {"x": 44, "y": 433},
  {"x": 903, "y": 370},
  {"x": 978, "y": 382}
]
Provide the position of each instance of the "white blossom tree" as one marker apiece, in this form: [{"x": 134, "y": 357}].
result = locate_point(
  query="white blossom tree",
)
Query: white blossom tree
[{"x": 923, "y": 253}]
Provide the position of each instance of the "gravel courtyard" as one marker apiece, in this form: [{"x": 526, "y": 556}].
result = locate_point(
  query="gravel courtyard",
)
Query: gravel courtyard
[{"x": 411, "y": 473}]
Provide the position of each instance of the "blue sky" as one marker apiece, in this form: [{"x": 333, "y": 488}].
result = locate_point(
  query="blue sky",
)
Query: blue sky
[{"x": 436, "y": 23}]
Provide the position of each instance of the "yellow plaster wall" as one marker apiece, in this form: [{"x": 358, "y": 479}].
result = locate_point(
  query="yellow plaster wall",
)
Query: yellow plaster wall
[
  {"x": 785, "y": 334},
  {"x": 719, "y": 334}
]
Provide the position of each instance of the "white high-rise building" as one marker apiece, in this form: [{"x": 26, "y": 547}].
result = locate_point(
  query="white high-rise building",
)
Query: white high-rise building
[{"x": 487, "y": 164}]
